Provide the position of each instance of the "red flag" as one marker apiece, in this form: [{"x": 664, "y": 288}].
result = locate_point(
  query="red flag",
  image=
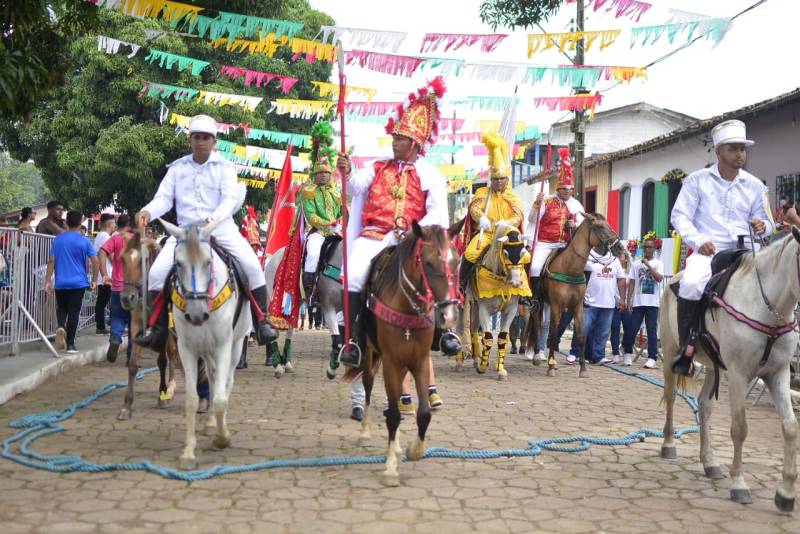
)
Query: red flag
[{"x": 283, "y": 209}]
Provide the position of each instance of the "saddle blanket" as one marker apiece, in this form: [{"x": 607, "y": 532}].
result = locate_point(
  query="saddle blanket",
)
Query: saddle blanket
[{"x": 492, "y": 285}]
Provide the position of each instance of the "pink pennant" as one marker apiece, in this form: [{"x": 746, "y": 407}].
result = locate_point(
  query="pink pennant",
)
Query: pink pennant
[
  {"x": 633, "y": 9},
  {"x": 570, "y": 103},
  {"x": 226, "y": 128},
  {"x": 385, "y": 63},
  {"x": 431, "y": 41},
  {"x": 361, "y": 161},
  {"x": 449, "y": 124},
  {"x": 466, "y": 137},
  {"x": 261, "y": 79}
]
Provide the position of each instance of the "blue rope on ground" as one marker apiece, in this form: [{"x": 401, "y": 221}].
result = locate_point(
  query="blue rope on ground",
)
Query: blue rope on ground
[{"x": 40, "y": 425}]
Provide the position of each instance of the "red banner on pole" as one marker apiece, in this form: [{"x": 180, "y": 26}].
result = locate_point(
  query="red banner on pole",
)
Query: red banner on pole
[{"x": 283, "y": 209}]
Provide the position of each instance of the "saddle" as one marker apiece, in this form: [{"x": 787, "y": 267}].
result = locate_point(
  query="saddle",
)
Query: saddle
[{"x": 231, "y": 262}]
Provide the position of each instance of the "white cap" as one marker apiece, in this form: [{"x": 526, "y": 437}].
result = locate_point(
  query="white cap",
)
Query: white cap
[
  {"x": 730, "y": 132},
  {"x": 203, "y": 124}
]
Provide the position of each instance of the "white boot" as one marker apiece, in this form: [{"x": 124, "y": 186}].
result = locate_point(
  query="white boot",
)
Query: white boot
[
  {"x": 615, "y": 359},
  {"x": 628, "y": 359},
  {"x": 541, "y": 357}
]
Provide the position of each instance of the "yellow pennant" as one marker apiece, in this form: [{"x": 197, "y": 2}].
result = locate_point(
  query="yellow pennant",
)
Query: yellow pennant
[{"x": 539, "y": 42}]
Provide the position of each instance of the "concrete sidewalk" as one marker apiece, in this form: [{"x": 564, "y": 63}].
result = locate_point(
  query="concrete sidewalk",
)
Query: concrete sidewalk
[{"x": 35, "y": 365}]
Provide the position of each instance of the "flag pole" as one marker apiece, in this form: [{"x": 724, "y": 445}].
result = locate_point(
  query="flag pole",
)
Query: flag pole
[
  {"x": 343, "y": 149},
  {"x": 549, "y": 159}
]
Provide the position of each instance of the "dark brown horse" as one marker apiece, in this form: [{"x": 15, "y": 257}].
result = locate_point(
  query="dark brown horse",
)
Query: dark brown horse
[
  {"x": 131, "y": 299},
  {"x": 412, "y": 290},
  {"x": 564, "y": 285}
]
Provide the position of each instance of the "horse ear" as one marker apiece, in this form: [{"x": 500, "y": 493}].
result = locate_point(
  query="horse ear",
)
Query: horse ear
[
  {"x": 796, "y": 233},
  {"x": 416, "y": 228},
  {"x": 175, "y": 231},
  {"x": 455, "y": 228}
]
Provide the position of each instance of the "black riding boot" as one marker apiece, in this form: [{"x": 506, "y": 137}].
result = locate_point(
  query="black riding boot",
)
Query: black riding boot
[
  {"x": 156, "y": 337},
  {"x": 536, "y": 288},
  {"x": 687, "y": 312},
  {"x": 308, "y": 285},
  {"x": 464, "y": 271},
  {"x": 264, "y": 332},
  {"x": 450, "y": 344},
  {"x": 351, "y": 356}
]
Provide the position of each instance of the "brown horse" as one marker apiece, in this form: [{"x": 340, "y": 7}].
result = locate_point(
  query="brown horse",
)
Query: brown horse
[
  {"x": 564, "y": 286},
  {"x": 131, "y": 299},
  {"x": 412, "y": 291}
]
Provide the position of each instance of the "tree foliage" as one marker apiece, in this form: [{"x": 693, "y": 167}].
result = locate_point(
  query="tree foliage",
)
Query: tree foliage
[
  {"x": 20, "y": 185},
  {"x": 32, "y": 35},
  {"x": 97, "y": 142},
  {"x": 517, "y": 13}
]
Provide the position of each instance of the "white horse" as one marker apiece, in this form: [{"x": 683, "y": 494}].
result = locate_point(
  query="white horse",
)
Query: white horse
[
  {"x": 281, "y": 361},
  {"x": 742, "y": 347},
  {"x": 209, "y": 326}
]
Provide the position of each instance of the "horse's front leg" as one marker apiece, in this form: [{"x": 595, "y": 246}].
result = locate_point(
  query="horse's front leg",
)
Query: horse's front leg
[
  {"x": 706, "y": 405},
  {"x": 552, "y": 338},
  {"x": 126, "y": 412},
  {"x": 393, "y": 381},
  {"x": 163, "y": 396},
  {"x": 737, "y": 390},
  {"x": 286, "y": 358},
  {"x": 329, "y": 312},
  {"x": 670, "y": 347},
  {"x": 779, "y": 389},
  {"x": 187, "y": 460},
  {"x": 174, "y": 362},
  {"x": 508, "y": 315},
  {"x": 579, "y": 331},
  {"x": 221, "y": 391},
  {"x": 367, "y": 380},
  {"x": 422, "y": 379}
]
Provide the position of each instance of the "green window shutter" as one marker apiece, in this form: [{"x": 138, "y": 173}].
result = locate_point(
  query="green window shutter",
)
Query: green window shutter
[{"x": 661, "y": 210}]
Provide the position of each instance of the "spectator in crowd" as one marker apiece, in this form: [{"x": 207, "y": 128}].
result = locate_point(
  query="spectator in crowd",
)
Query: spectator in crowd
[
  {"x": 621, "y": 320},
  {"x": 84, "y": 230},
  {"x": 54, "y": 223},
  {"x": 791, "y": 216},
  {"x": 643, "y": 299},
  {"x": 26, "y": 217},
  {"x": 107, "y": 225},
  {"x": 605, "y": 290},
  {"x": 68, "y": 256},
  {"x": 115, "y": 280}
]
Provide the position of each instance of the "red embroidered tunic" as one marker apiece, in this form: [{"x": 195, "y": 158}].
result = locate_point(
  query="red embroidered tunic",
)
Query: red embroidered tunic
[
  {"x": 552, "y": 227},
  {"x": 392, "y": 194}
]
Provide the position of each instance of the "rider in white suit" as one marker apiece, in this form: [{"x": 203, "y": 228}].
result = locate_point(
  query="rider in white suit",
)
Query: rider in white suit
[{"x": 714, "y": 207}]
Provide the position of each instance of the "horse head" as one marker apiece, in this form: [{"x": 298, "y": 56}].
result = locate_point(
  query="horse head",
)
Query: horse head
[
  {"x": 601, "y": 236},
  {"x": 435, "y": 261},
  {"x": 193, "y": 268},
  {"x": 510, "y": 248}
]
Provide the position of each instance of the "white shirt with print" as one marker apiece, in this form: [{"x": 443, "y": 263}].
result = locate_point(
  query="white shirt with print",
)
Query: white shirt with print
[
  {"x": 646, "y": 291},
  {"x": 602, "y": 290}
]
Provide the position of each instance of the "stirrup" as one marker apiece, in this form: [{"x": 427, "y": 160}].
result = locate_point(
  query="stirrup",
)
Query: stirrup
[
  {"x": 450, "y": 333},
  {"x": 341, "y": 352},
  {"x": 684, "y": 363}
]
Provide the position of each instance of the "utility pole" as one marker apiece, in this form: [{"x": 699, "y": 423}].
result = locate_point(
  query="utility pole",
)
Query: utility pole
[
  {"x": 579, "y": 123},
  {"x": 453, "y": 155}
]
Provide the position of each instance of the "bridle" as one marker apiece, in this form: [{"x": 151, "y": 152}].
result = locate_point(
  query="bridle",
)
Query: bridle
[
  {"x": 193, "y": 293},
  {"x": 607, "y": 243},
  {"x": 427, "y": 300}
]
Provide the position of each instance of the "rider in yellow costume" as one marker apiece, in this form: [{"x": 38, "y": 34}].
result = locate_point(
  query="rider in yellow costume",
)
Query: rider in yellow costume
[{"x": 503, "y": 205}]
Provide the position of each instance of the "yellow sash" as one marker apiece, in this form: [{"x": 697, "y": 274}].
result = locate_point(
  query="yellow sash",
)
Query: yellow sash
[{"x": 221, "y": 298}]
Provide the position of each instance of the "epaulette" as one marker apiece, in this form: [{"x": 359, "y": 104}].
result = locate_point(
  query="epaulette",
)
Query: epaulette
[{"x": 309, "y": 192}]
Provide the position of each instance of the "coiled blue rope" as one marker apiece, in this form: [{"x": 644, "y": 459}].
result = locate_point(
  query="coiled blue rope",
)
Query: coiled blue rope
[{"x": 40, "y": 425}]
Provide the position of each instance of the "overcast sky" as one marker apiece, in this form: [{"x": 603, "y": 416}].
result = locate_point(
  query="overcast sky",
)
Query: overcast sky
[{"x": 755, "y": 61}]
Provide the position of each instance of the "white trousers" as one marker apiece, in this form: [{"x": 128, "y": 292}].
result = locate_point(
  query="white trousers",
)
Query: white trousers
[
  {"x": 228, "y": 238},
  {"x": 314, "y": 243},
  {"x": 695, "y": 276},
  {"x": 358, "y": 262},
  {"x": 540, "y": 254}
]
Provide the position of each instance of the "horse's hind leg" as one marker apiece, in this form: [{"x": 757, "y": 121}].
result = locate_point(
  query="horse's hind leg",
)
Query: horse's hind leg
[
  {"x": 706, "y": 405},
  {"x": 393, "y": 380},
  {"x": 174, "y": 363},
  {"x": 552, "y": 339},
  {"x": 422, "y": 379},
  {"x": 368, "y": 380},
  {"x": 163, "y": 396},
  {"x": 737, "y": 388},
  {"x": 668, "y": 449},
  {"x": 329, "y": 312},
  {"x": 286, "y": 358},
  {"x": 779, "y": 389},
  {"x": 577, "y": 318}
]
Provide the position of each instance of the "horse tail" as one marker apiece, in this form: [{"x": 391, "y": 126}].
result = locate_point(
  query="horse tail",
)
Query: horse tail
[{"x": 533, "y": 326}]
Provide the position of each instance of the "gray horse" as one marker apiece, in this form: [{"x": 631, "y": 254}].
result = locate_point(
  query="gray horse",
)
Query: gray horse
[
  {"x": 329, "y": 295},
  {"x": 281, "y": 361}
]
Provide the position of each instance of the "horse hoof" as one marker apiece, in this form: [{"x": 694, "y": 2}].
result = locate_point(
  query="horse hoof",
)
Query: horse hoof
[
  {"x": 330, "y": 373},
  {"x": 502, "y": 375},
  {"x": 551, "y": 372},
  {"x": 583, "y": 373},
  {"x": 124, "y": 414},
  {"x": 714, "y": 472},
  {"x": 289, "y": 367},
  {"x": 278, "y": 371},
  {"x": 536, "y": 362},
  {"x": 163, "y": 404},
  {"x": 669, "y": 453},
  {"x": 221, "y": 442},
  {"x": 459, "y": 367},
  {"x": 415, "y": 454},
  {"x": 481, "y": 369},
  {"x": 784, "y": 504},
  {"x": 187, "y": 464},
  {"x": 391, "y": 480},
  {"x": 741, "y": 496}
]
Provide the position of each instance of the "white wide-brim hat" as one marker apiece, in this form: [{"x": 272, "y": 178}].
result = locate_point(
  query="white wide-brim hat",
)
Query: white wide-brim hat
[
  {"x": 203, "y": 124},
  {"x": 730, "y": 132}
]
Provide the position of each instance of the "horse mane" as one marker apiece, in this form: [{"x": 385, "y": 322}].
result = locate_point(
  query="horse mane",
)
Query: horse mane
[
  {"x": 387, "y": 279},
  {"x": 193, "y": 251},
  {"x": 767, "y": 257}
]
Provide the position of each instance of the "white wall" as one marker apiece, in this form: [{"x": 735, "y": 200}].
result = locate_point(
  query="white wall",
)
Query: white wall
[{"x": 689, "y": 155}]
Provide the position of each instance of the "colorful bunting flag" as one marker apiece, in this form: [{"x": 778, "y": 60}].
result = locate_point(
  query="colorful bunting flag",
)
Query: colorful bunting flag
[
  {"x": 253, "y": 26},
  {"x": 160, "y": 90},
  {"x": 386, "y": 63},
  {"x": 224, "y": 99},
  {"x": 167, "y": 60},
  {"x": 370, "y": 108},
  {"x": 359, "y": 37},
  {"x": 633, "y": 9},
  {"x": 305, "y": 109},
  {"x": 332, "y": 89},
  {"x": 110, "y": 45},
  {"x": 539, "y": 42},
  {"x": 580, "y": 102},
  {"x": 432, "y": 41},
  {"x": 258, "y": 78},
  {"x": 714, "y": 29}
]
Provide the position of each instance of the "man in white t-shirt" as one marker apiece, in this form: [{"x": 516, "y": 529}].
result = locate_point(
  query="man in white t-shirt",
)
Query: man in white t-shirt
[
  {"x": 605, "y": 290},
  {"x": 644, "y": 283},
  {"x": 107, "y": 225}
]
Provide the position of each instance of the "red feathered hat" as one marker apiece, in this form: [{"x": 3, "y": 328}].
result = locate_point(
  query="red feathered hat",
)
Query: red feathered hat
[
  {"x": 564, "y": 169},
  {"x": 418, "y": 117}
]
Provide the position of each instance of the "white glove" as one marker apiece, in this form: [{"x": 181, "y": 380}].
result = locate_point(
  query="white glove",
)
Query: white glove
[
  {"x": 485, "y": 222},
  {"x": 390, "y": 239},
  {"x": 336, "y": 229}
]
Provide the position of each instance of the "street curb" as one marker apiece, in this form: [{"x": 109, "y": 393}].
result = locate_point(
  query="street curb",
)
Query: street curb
[{"x": 27, "y": 383}]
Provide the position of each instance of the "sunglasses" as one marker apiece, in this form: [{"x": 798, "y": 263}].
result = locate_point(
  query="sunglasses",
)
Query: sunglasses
[{"x": 649, "y": 246}]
